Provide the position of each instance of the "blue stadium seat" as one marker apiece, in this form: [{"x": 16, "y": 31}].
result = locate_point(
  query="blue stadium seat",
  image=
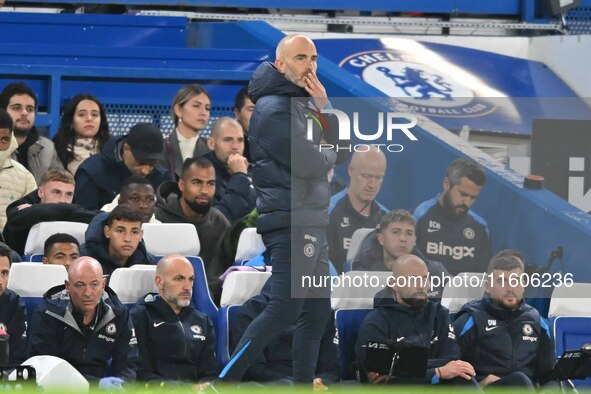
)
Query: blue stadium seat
[
  {"x": 201, "y": 296},
  {"x": 347, "y": 322},
  {"x": 570, "y": 319},
  {"x": 43, "y": 230},
  {"x": 36, "y": 258},
  {"x": 32, "y": 280},
  {"x": 250, "y": 245},
  {"x": 226, "y": 317}
]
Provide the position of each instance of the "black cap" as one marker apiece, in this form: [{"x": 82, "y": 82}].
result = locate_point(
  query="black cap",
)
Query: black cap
[{"x": 146, "y": 142}]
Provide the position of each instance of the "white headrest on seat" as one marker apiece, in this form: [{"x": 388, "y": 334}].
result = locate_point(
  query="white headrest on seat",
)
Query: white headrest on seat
[
  {"x": 41, "y": 231},
  {"x": 34, "y": 279},
  {"x": 356, "y": 241},
  {"x": 250, "y": 244},
  {"x": 166, "y": 238},
  {"x": 463, "y": 288},
  {"x": 239, "y": 286},
  {"x": 571, "y": 301},
  {"x": 131, "y": 284},
  {"x": 356, "y": 289}
]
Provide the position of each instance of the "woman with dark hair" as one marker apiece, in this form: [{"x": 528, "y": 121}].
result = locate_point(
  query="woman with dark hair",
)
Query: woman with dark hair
[
  {"x": 83, "y": 131},
  {"x": 191, "y": 109}
]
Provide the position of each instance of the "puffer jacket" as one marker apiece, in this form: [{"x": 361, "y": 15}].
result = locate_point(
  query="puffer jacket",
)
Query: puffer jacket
[
  {"x": 15, "y": 180},
  {"x": 289, "y": 192}
]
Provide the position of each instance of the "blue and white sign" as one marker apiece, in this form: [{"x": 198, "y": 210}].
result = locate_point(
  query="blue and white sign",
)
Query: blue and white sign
[{"x": 458, "y": 86}]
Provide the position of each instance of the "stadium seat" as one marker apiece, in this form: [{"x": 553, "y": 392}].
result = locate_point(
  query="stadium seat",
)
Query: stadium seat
[
  {"x": 239, "y": 286},
  {"x": 131, "y": 285},
  {"x": 41, "y": 231},
  {"x": 166, "y": 238},
  {"x": 570, "y": 318},
  {"x": 32, "y": 280},
  {"x": 226, "y": 317},
  {"x": 36, "y": 258},
  {"x": 347, "y": 322},
  {"x": 250, "y": 245},
  {"x": 463, "y": 288},
  {"x": 201, "y": 296},
  {"x": 356, "y": 289},
  {"x": 355, "y": 246}
]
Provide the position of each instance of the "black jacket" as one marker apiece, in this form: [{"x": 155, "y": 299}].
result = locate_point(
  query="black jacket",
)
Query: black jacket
[
  {"x": 289, "y": 191},
  {"x": 211, "y": 229},
  {"x": 55, "y": 332},
  {"x": 99, "y": 178},
  {"x": 97, "y": 246},
  {"x": 19, "y": 223},
  {"x": 428, "y": 327},
  {"x": 173, "y": 347},
  {"x": 461, "y": 244},
  {"x": 13, "y": 319},
  {"x": 497, "y": 341},
  {"x": 235, "y": 196}
]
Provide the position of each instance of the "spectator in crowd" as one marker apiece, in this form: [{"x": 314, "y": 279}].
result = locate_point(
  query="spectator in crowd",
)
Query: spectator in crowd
[
  {"x": 395, "y": 237},
  {"x": 176, "y": 342},
  {"x": 403, "y": 313},
  {"x": 115, "y": 239},
  {"x": 15, "y": 180},
  {"x": 447, "y": 230},
  {"x": 52, "y": 201},
  {"x": 61, "y": 249},
  {"x": 13, "y": 315},
  {"x": 243, "y": 108},
  {"x": 190, "y": 201},
  {"x": 83, "y": 132},
  {"x": 84, "y": 323},
  {"x": 35, "y": 152},
  {"x": 99, "y": 178},
  {"x": 275, "y": 363},
  {"x": 191, "y": 109},
  {"x": 292, "y": 200},
  {"x": 505, "y": 339},
  {"x": 355, "y": 207},
  {"x": 139, "y": 193},
  {"x": 235, "y": 196}
]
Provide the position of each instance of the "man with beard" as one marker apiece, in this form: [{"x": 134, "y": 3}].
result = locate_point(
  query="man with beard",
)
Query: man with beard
[
  {"x": 505, "y": 339},
  {"x": 447, "y": 230},
  {"x": 175, "y": 341},
  {"x": 403, "y": 314},
  {"x": 100, "y": 177},
  {"x": 35, "y": 152},
  {"x": 190, "y": 201},
  {"x": 355, "y": 207},
  {"x": 235, "y": 196}
]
